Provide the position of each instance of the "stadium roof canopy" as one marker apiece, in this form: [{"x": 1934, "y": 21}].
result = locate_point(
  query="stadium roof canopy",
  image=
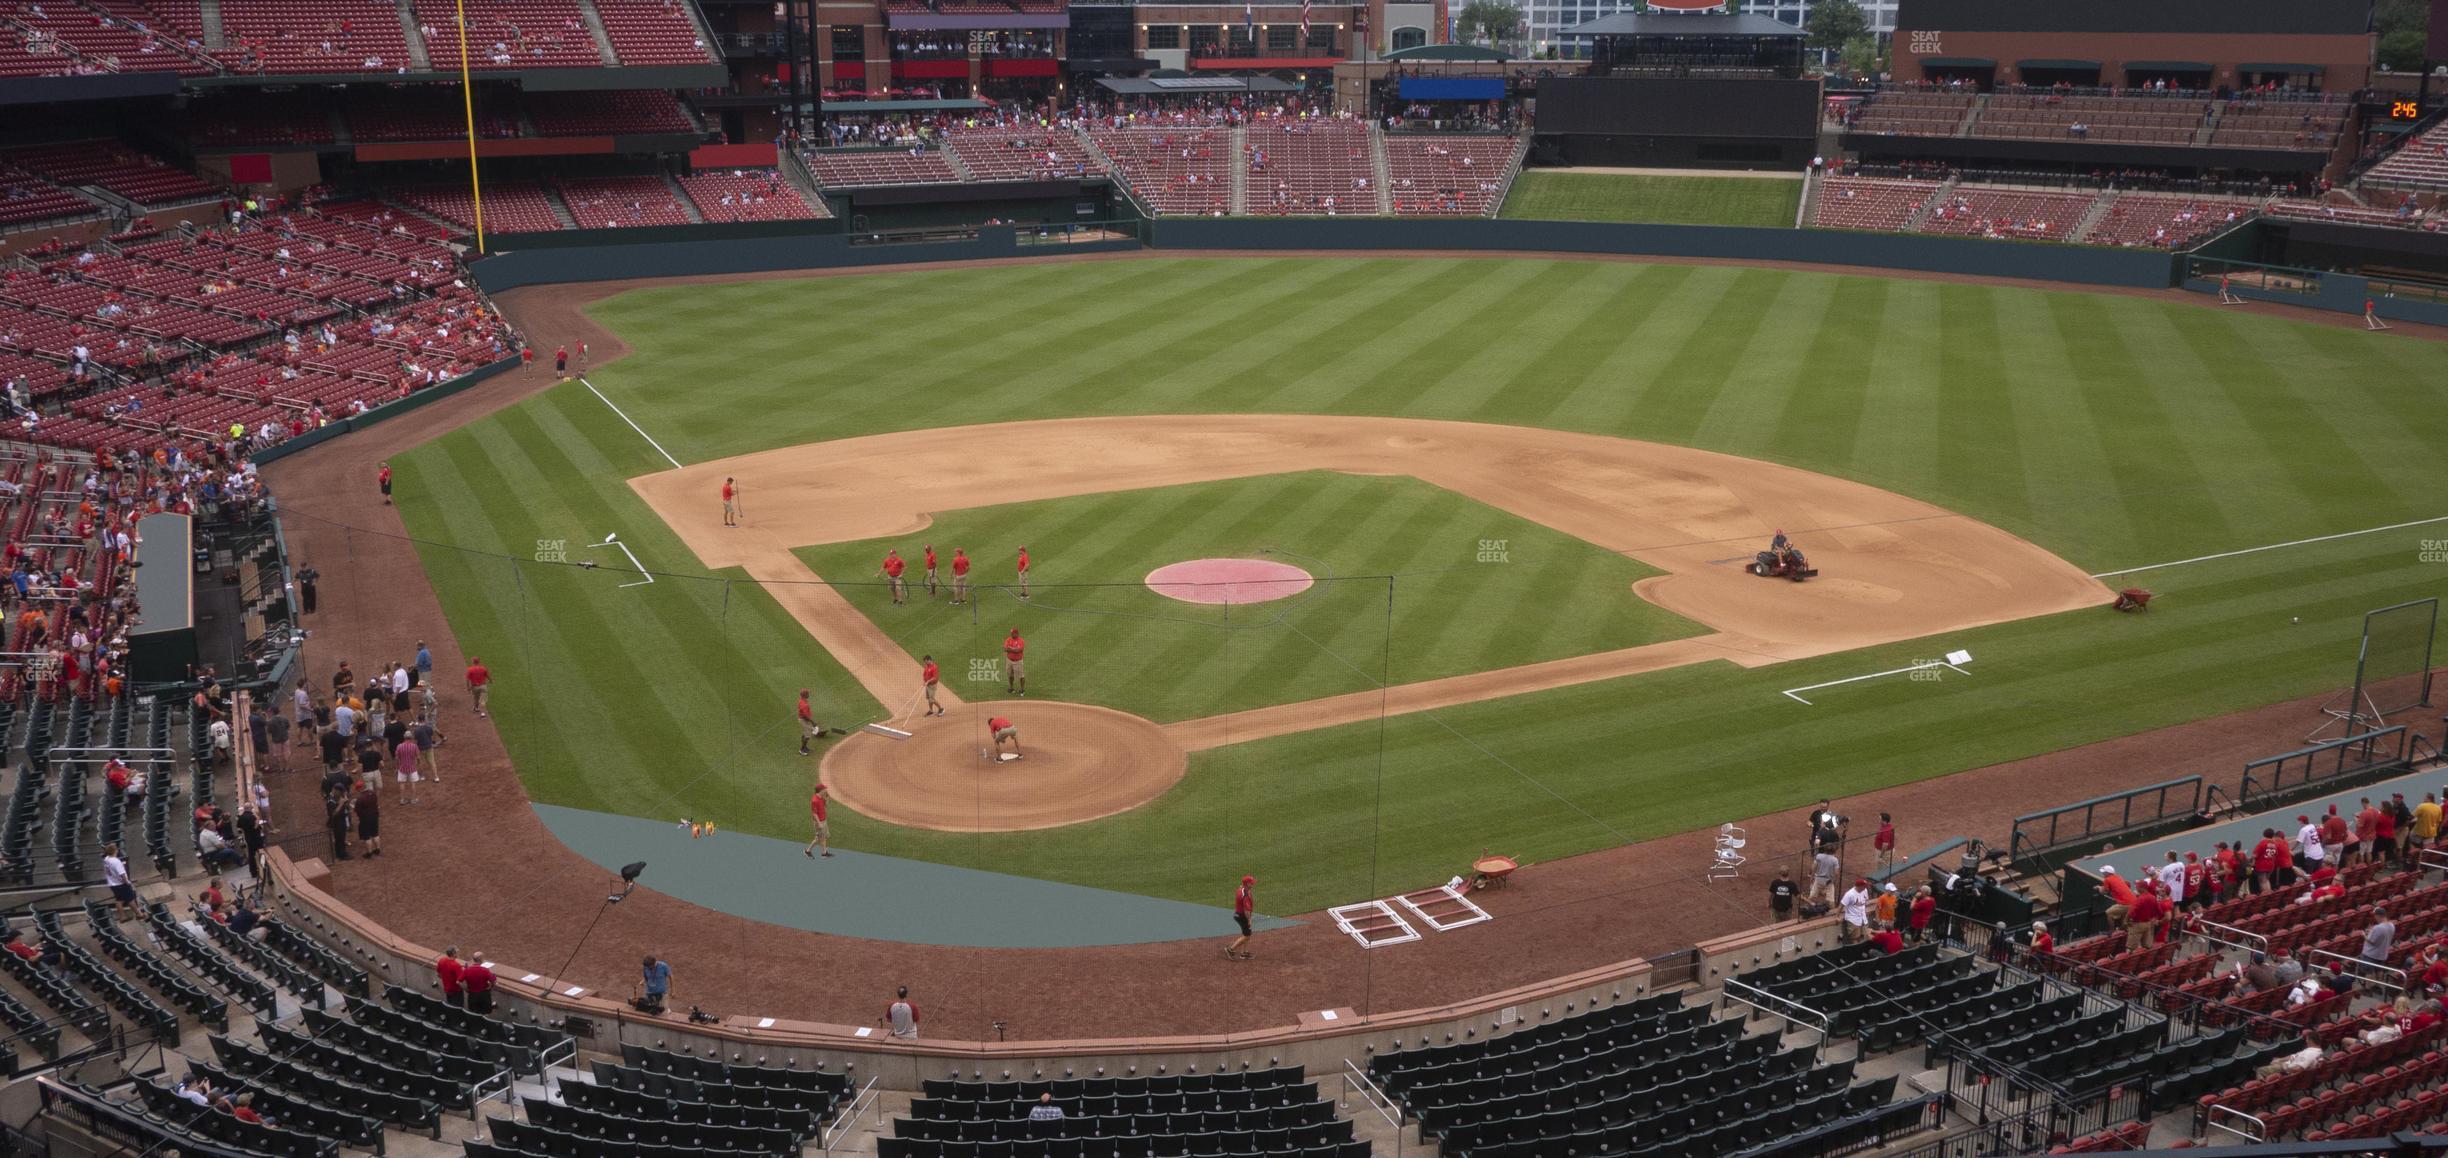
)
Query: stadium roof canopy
[
  {"x": 1468, "y": 52},
  {"x": 1695, "y": 24},
  {"x": 1193, "y": 85}
]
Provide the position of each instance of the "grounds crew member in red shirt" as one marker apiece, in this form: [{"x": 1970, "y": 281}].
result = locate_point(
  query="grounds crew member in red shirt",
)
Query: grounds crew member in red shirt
[
  {"x": 816, "y": 816},
  {"x": 526, "y": 359},
  {"x": 561, "y": 361},
  {"x": 1023, "y": 572},
  {"x": 1015, "y": 677},
  {"x": 930, "y": 570},
  {"x": 1003, "y": 729},
  {"x": 447, "y": 967},
  {"x": 893, "y": 567},
  {"x": 476, "y": 983},
  {"x": 480, "y": 684},
  {"x": 383, "y": 477},
  {"x": 809, "y": 729},
  {"x": 730, "y": 494},
  {"x": 930, "y": 676},
  {"x": 1245, "y": 902},
  {"x": 960, "y": 576}
]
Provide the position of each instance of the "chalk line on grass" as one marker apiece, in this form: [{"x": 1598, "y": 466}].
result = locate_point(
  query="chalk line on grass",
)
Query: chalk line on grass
[
  {"x": 2271, "y": 547},
  {"x": 624, "y": 416}
]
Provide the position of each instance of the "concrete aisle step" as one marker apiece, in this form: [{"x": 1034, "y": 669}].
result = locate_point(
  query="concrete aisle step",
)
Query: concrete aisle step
[
  {"x": 1240, "y": 173},
  {"x": 595, "y": 27},
  {"x": 208, "y": 13},
  {"x": 680, "y": 197},
  {"x": 419, "y": 54},
  {"x": 1379, "y": 171}
]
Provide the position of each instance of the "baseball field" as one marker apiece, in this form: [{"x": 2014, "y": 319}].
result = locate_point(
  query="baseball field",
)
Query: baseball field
[{"x": 1478, "y": 461}]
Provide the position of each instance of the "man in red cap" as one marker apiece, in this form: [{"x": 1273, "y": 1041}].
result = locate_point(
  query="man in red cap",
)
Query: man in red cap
[{"x": 1245, "y": 902}]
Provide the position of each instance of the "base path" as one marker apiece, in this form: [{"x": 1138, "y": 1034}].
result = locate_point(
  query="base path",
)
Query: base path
[
  {"x": 1893, "y": 568},
  {"x": 1080, "y": 763}
]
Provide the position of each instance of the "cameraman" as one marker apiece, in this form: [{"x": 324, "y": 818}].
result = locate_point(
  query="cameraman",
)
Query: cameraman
[{"x": 657, "y": 975}]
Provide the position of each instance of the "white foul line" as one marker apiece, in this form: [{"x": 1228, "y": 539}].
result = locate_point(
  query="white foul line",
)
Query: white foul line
[
  {"x": 1924, "y": 666},
  {"x": 2272, "y": 547},
  {"x": 632, "y": 425}
]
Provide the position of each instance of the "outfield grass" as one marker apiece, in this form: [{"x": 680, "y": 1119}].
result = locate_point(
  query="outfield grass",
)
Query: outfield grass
[
  {"x": 2114, "y": 430},
  {"x": 1564, "y": 195},
  {"x": 1098, "y": 636}
]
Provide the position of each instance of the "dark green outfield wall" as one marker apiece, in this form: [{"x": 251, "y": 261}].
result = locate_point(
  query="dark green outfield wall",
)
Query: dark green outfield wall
[
  {"x": 1955, "y": 255},
  {"x": 611, "y": 254}
]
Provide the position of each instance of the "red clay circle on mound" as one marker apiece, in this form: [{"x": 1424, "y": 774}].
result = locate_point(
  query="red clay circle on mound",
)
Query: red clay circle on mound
[{"x": 1228, "y": 580}]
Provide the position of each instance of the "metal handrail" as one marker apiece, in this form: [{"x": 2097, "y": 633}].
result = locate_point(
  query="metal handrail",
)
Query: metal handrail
[
  {"x": 1376, "y": 1099},
  {"x": 2247, "y": 938},
  {"x": 2364, "y": 969},
  {"x": 2259, "y": 1132},
  {"x": 1821, "y": 1022},
  {"x": 866, "y": 1097}
]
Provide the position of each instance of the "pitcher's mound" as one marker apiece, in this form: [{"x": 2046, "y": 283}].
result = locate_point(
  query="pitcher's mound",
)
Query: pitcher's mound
[
  {"x": 1228, "y": 580},
  {"x": 1082, "y": 763}
]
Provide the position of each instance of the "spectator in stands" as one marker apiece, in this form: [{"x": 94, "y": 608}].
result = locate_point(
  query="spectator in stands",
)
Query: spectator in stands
[
  {"x": 656, "y": 975},
  {"x": 2267, "y": 857},
  {"x": 1924, "y": 909},
  {"x": 213, "y": 850},
  {"x": 2395, "y": 821},
  {"x": 2043, "y": 942},
  {"x": 115, "y": 875},
  {"x": 2380, "y": 938},
  {"x": 244, "y": 919},
  {"x": 447, "y": 968},
  {"x": 2299, "y": 1061},
  {"x": 369, "y": 810},
  {"x": 2142, "y": 918},
  {"x": 244, "y": 1108},
  {"x": 16, "y": 944},
  {"x": 2121, "y": 896},
  {"x": 1888, "y": 940},
  {"x": 2197, "y": 892},
  {"x": 1045, "y": 1110},
  {"x": 476, "y": 984},
  {"x": 196, "y": 1088},
  {"x": 2172, "y": 878},
  {"x": 1883, "y": 907},
  {"x": 902, "y": 1015},
  {"x": 2426, "y": 823},
  {"x": 1856, "y": 906},
  {"x": 1781, "y": 896},
  {"x": 2366, "y": 844},
  {"x": 2310, "y": 852}
]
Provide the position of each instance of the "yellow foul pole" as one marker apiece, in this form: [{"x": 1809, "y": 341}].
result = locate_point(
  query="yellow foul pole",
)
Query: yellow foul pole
[{"x": 468, "y": 92}]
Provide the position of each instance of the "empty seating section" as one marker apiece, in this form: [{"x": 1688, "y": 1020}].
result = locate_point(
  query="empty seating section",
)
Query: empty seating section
[
  {"x": 2421, "y": 163},
  {"x": 2169, "y": 120},
  {"x": 26, "y": 199},
  {"x": 587, "y": 114},
  {"x": 503, "y": 34},
  {"x": 1914, "y": 114},
  {"x": 259, "y": 119},
  {"x": 1973, "y": 211},
  {"x": 2246, "y": 123},
  {"x": 747, "y": 195},
  {"x": 424, "y": 113},
  {"x": 2404, "y": 217},
  {"x": 1448, "y": 175},
  {"x": 1273, "y": 1111},
  {"x": 314, "y": 36},
  {"x": 619, "y": 202},
  {"x": 1869, "y": 203},
  {"x": 140, "y": 178},
  {"x": 511, "y": 207},
  {"x": 1183, "y": 169},
  {"x": 1310, "y": 167},
  {"x": 2165, "y": 222},
  {"x": 1021, "y": 152},
  {"x": 652, "y": 32},
  {"x": 850, "y": 168},
  {"x": 122, "y": 38}
]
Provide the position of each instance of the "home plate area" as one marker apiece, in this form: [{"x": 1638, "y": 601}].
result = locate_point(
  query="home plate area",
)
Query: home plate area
[{"x": 1377, "y": 924}]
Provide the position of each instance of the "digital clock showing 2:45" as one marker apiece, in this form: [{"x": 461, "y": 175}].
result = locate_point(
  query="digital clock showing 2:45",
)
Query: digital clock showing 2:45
[{"x": 2405, "y": 111}]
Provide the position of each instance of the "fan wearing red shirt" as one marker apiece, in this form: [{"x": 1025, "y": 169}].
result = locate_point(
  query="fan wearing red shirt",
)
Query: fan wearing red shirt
[
  {"x": 1024, "y": 572},
  {"x": 476, "y": 983},
  {"x": 929, "y": 678},
  {"x": 1888, "y": 940},
  {"x": 2335, "y": 836},
  {"x": 447, "y": 967},
  {"x": 2384, "y": 831},
  {"x": 930, "y": 570},
  {"x": 1003, "y": 729},
  {"x": 2270, "y": 853},
  {"x": 1245, "y": 902},
  {"x": 2142, "y": 920},
  {"x": 480, "y": 683},
  {"x": 2196, "y": 881},
  {"x": 2043, "y": 941},
  {"x": 1924, "y": 907},
  {"x": 383, "y": 478},
  {"x": 816, "y": 816},
  {"x": 960, "y": 576},
  {"x": 893, "y": 567},
  {"x": 1015, "y": 677}
]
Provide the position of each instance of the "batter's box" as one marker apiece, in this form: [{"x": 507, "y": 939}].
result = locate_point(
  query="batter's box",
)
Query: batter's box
[
  {"x": 1374, "y": 924},
  {"x": 1443, "y": 908}
]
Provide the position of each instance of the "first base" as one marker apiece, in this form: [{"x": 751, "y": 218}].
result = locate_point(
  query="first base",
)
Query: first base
[{"x": 1007, "y": 756}]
